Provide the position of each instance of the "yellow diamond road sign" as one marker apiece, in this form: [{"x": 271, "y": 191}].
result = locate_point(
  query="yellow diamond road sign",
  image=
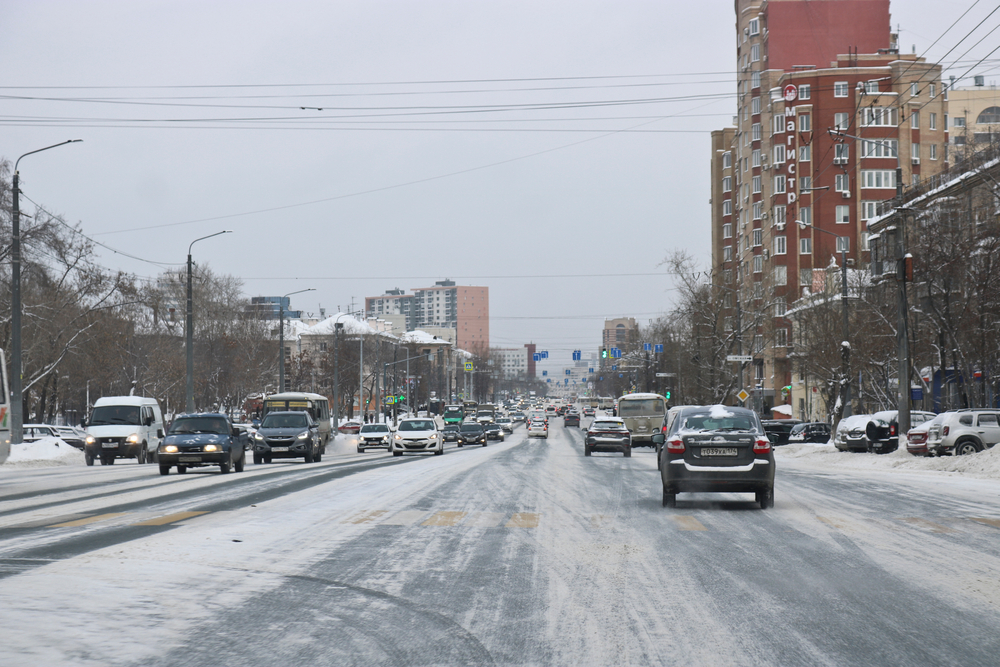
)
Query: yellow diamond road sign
[
  {"x": 743, "y": 395},
  {"x": 468, "y": 365}
]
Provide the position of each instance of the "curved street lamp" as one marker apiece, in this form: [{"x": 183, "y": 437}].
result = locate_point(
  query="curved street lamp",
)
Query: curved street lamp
[
  {"x": 189, "y": 325},
  {"x": 281, "y": 336},
  {"x": 16, "y": 397}
]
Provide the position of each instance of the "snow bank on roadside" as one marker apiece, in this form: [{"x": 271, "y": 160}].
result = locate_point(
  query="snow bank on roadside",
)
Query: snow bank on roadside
[
  {"x": 984, "y": 465},
  {"x": 43, "y": 453}
]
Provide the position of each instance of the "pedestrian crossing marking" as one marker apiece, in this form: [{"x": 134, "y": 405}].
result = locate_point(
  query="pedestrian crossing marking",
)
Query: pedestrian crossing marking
[
  {"x": 444, "y": 519},
  {"x": 989, "y": 522},
  {"x": 688, "y": 522},
  {"x": 928, "y": 525},
  {"x": 524, "y": 520},
  {"x": 484, "y": 519},
  {"x": 87, "y": 520},
  {"x": 365, "y": 517},
  {"x": 170, "y": 518},
  {"x": 404, "y": 518}
]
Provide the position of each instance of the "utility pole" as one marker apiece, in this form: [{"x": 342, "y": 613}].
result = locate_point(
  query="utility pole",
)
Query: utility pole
[{"x": 902, "y": 330}]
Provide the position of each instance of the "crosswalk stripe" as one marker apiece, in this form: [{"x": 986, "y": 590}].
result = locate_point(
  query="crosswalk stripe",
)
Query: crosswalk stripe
[
  {"x": 444, "y": 519},
  {"x": 928, "y": 525},
  {"x": 989, "y": 522},
  {"x": 87, "y": 520},
  {"x": 37, "y": 523},
  {"x": 365, "y": 517},
  {"x": 688, "y": 523},
  {"x": 170, "y": 518},
  {"x": 523, "y": 520},
  {"x": 404, "y": 518}
]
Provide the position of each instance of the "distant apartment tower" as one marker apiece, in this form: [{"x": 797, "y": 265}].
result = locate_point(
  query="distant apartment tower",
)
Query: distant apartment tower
[
  {"x": 619, "y": 333},
  {"x": 513, "y": 361},
  {"x": 393, "y": 302},
  {"x": 806, "y": 68}
]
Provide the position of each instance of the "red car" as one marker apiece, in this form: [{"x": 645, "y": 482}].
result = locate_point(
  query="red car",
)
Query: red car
[{"x": 350, "y": 427}]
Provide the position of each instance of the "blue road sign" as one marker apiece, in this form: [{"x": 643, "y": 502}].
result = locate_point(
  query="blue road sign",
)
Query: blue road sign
[
  {"x": 614, "y": 368},
  {"x": 577, "y": 355},
  {"x": 545, "y": 355},
  {"x": 545, "y": 372},
  {"x": 590, "y": 370},
  {"x": 567, "y": 380},
  {"x": 659, "y": 348},
  {"x": 647, "y": 347},
  {"x": 549, "y": 380},
  {"x": 536, "y": 357},
  {"x": 568, "y": 371}
]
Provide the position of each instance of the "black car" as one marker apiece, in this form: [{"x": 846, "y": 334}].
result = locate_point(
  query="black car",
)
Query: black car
[
  {"x": 450, "y": 432},
  {"x": 471, "y": 434},
  {"x": 572, "y": 419},
  {"x": 716, "y": 449},
  {"x": 818, "y": 432},
  {"x": 778, "y": 430},
  {"x": 204, "y": 439},
  {"x": 494, "y": 431},
  {"x": 287, "y": 435}
]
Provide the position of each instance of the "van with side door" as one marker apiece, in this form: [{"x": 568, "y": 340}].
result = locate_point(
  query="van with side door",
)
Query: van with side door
[{"x": 123, "y": 427}]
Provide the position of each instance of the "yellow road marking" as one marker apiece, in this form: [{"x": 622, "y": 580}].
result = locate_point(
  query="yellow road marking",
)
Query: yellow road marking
[
  {"x": 484, "y": 519},
  {"x": 37, "y": 523},
  {"x": 444, "y": 519},
  {"x": 688, "y": 523},
  {"x": 989, "y": 522},
  {"x": 929, "y": 525},
  {"x": 405, "y": 518},
  {"x": 89, "y": 519},
  {"x": 523, "y": 520},
  {"x": 170, "y": 518},
  {"x": 365, "y": 517}
]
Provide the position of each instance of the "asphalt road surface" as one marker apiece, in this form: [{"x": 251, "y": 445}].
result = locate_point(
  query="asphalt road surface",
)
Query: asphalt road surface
[{"x": 522, "y": 552}]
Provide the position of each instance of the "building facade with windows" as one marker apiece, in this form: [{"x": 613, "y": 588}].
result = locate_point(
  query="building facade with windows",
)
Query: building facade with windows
[{"x": 817, "y": 138}]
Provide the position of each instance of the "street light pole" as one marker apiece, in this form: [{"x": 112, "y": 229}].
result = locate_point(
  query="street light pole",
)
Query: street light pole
[
  {"x": 281, "y": 337},
  {"x": 16, "y": 371},
  {"x": 189, "y": 327}
]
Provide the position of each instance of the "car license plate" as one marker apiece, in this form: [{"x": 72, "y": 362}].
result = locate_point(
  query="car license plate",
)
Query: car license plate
[
  {"x": 718, "y": 451},
  {"x": 110, "y": 445},
  {"x": 279, "y": 449},
  {"x": 189, "y": 459}
]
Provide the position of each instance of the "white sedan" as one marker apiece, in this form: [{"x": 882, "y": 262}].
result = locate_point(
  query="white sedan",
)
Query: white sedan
[
  {"x": 537, "y": 428},
  {"x": 417, "y": 436}
]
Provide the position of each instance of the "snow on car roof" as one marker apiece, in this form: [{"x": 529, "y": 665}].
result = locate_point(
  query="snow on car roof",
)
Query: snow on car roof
[{"x": 720, "y": 412}]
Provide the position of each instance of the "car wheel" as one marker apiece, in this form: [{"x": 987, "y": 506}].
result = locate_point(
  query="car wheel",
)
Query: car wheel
[
  {"x": 225, "y": 467},
  {"x": 628, "y": 453},
  {"x": 669, "y": 499},
  {"x": 257, "y": 459},
  {"x": 181, "y": 470},
  {"x": 164, "y": 470},
  {"x": 88, "y": 458},
  {"x": 586, "y": 450},
  {"x": 318, "y": 457},
  {"x": 240, "y": 462},
  {"x": 765, "y": 498},
  {"x": 966, "y": 447},
  {"x": 309, "y": 456},
  {"x": 439, "y": 452},
  {"x": 361, "y": 450},
  {"x": 140, "y": 456},
  {"x": 460, "y": 444},
  {"x": 397, "y": 453},
  {"x": 485, "y": 442}
]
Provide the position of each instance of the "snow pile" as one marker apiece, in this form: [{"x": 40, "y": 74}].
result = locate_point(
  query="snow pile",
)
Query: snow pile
[
  {"x": 43, "y": 453},
  {"x": 984, "y": 465}
]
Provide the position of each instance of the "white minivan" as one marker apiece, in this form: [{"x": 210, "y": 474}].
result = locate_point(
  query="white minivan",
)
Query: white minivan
[{"x": 123, "y": 427}]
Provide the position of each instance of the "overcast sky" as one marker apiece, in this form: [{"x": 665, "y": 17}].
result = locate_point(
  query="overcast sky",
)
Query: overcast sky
[{"x": 553, "y": 151}]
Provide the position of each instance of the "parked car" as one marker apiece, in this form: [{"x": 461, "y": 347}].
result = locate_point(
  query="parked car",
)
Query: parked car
[
  {"x": 73, "y": 436},
  {"x": 572, "y": 419},
  {"x": 351, "y": 427},
  {"x": 472, "y": 433},
  {"x": 494, "y": 431},
  {"x": 287, "y": 435},
  {"x": 374, "y": 436},
  {"x": 538, "y": 428},
  {"x": 202, "y": 439},
  {"x": 506, "y": 423},
  {"x": 916, "y": 437},
  {"x": 818, "y": 432},
  {"x": 716, "y": 449},
  {"x": 964, "y": 432},
  {"x": 417, "y": 435},
  {"x": 852, "y": 434},
  {"x": 608, "y": 434},
  {"x": 450, "y": 432},
  {"x": 35, "y": 432},
  {"x": 882, "y": 429},
  {"x": 778, "y": 430}
]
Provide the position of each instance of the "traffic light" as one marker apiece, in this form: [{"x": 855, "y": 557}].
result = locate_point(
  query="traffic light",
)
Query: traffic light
[
  {"x": 604, "y": 353},
  {"x": 668, "y": 396}
]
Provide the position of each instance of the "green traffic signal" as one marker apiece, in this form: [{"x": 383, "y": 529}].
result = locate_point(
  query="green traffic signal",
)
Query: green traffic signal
[
  {"x": 668, "y": 396},
  {"x": 604, "y": 353}
]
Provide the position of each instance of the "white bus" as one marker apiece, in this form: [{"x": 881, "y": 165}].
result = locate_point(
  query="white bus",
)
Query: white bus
[
  {"x": 643, "y": 415},
  {"x": 4, "y": 410},
  {"x": 317, "y": 405}
]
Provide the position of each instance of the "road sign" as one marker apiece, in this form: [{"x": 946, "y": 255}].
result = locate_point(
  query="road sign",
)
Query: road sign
[
  {"x": 590, "y": 370},
  {"x": 536, "y": 357},
  {"x": 545, "y": 354},
  {"x": 647, "y": 347},
  {"x": 666, "y": 375},
  {"x": 577, "y": 355},
  {"x": 468, "y": 365},
  {"x": 742, "y": 358},
  {"x": 568, "y": 371},
  {"x": 659, "y": 348},
  {"x": 743, "y": 395},
  {"x": 545, "y": 372}
]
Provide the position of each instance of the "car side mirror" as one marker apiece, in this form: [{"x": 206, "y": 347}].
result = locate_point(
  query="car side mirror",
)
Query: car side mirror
[
  {"x": 159, "y": 433},
  {"x": 236, "y": 432},
  {"x": 658, "y": 438}
]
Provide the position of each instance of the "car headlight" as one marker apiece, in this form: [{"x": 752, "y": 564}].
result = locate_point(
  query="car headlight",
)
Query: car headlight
[
  {"x": 258, "y": 436},
  {"x": 134, "y": 438},
  {"x": 91, "y": 440},
  {"x": 385, "y": 439},
  {"x": 399, "y": 437},
  {"x": 211, "y": 448},
  {"x": 303, "y": 435},
  {"x": 170, "y": 449}
]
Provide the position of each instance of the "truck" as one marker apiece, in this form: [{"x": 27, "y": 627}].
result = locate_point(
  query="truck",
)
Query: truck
[
  {"x": 486, "y": 413},
  {"x": 203, "y": 439}
]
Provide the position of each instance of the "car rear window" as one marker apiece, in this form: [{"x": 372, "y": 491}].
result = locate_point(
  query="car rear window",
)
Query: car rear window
[
  {"x": 965, "y": 420},
  {"x": 608, "y": 426}
]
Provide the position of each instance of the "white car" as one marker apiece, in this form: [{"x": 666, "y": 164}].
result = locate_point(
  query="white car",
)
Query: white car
[
  {"x": 417, "y": 436},
  {"x": 537, "y": 428}
]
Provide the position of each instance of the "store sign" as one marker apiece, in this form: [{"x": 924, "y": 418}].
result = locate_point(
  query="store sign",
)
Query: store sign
[{"x": 791, "y": 92}]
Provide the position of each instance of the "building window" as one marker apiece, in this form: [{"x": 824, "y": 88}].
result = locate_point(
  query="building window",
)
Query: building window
[
  {"x": 914, "y": 90},
  {"x": 757, "y": 235},
  {"x": 755, "y": 131},
  {"x": 989, "y": 116},
  {"x": 841, "y": 89},
  {"x": 727, "y": 253},
  {"x": 727, "y": 230},
  {"x": 754, "y": 26},
  {"x": 805, "y": 153},
  {"x": 871, "y": 87},
  {"x": 841, "y": 183},
  {"x": 869, "y": 209},
  {"x": 880, "y": 148},
  {"x": 780, "y": 275},
  {"x": 915, "y": 119},
  {"x": 727, "y": 184},
  {"x": 915, "y": 153},
  {"x": 932, "y": 121},
  {"x": 727, "y": 207},
  {"x": 779, "y": 154},
  {"x": 779, "y": 215},
  {"x": 805, "y": 278},
  {"x": 841, "y": 152},
  {"x": 804, "y": 91},
  {"x": 805, "y": 215},
  {"x": 758, "y": 347},
  {"x": 864, "y": 241},
  {"x": 727, "y": 160},
  {"x": 755, "y": 157},
  {"x": 878, "y": 178},
  {"x": 958, "y": 121},
  {"x": 755, "y": 106},
  {"x": 756, "y": 184},
  {"x": 758, "y": 210},
  {"x": 805, "y": 183},
  {"x": 779, "y": 184},
  {"x": 781, "y": 337},
  {"x": 755, "y": 53},
  {"x": 841, "y": 120},
  {"x": 780, "y": 245},
  {"x": 805, "y": 246},
  {"x": 805, "y": 123},
  {"x": 780, "y": 306},
  {"x": 758, "y": 264},
  {"x": 932, "y": 151},
  {"x": 755, "y": 79},
  {"x": 931, "y": 90},
  {"x": 779, "y": 123},
  {"x": 843, "y": 244},
  {"x": 843, "y": 215},
  {"x": 879, "y": 117}
]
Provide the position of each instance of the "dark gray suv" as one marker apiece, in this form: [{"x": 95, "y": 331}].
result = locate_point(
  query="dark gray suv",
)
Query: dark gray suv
[{"x": 287, "y": 435}]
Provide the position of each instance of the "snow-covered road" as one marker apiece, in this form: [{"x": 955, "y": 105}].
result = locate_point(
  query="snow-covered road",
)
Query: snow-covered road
[{"x": 524, "y": 552}]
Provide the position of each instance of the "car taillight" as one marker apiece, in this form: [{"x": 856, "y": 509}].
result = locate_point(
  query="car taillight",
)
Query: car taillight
[
  {"x": 892, "y": 429},
  {"x": 664, "y": 429},
  {"x": 675, "y": 445},
  {"x": 944, "y": 431},
  {"x": 761, "y": 446}
]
